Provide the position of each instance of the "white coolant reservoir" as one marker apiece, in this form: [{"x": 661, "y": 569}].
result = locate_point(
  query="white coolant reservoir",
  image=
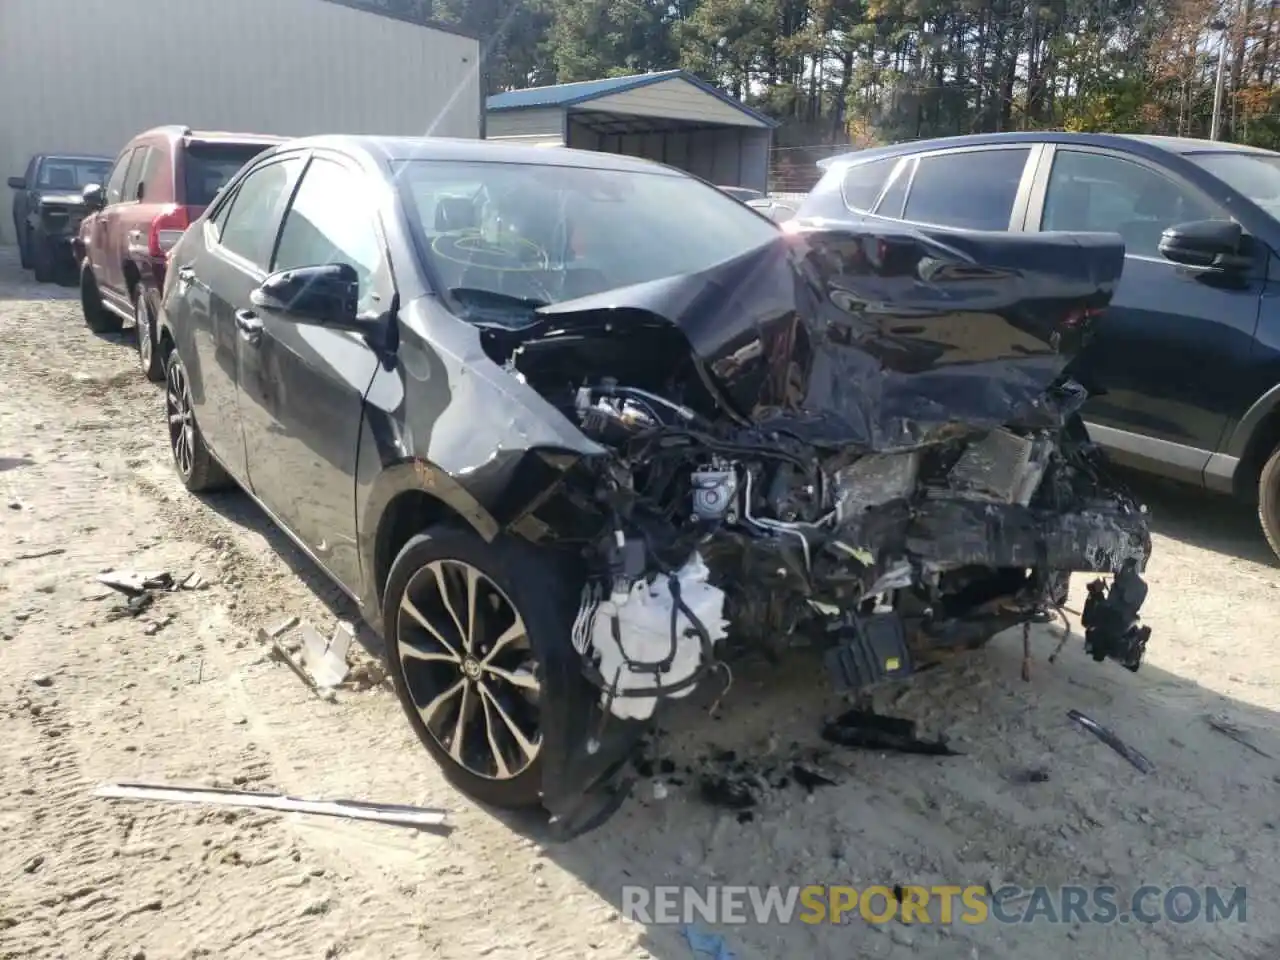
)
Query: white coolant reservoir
[{"x": 632, "y": 641}]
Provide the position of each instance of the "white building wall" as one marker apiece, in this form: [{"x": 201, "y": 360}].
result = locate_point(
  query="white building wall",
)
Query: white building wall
[{"x": 84, "y": 76}]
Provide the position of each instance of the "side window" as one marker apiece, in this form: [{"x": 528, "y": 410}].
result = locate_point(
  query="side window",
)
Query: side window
[
  {"x": 115, "y": 182},
  {"x": 152, "y": 177},
  {"x": 863, "y": 181},
  {"x": 331, "y": 220},
  {"x": 969, "y": 189},
  {"x": 249, "y": 227},
  {"x": 219, "y": 218},
  {"x": 895, "y": 194},
  {"x": 134, "y": 173},
  {"x": 1093, "y": 191}
]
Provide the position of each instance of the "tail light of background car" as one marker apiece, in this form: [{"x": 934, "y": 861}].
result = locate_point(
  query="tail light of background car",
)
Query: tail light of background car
[{"x": 167, "y": 229}]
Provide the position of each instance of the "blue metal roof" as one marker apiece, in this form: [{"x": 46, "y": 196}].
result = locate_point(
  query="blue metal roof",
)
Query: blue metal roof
[{"x": 575, "y": 94}]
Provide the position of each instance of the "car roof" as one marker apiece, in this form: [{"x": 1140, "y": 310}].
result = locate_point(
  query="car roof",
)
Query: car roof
[
  {"x": 381, "y": 149},
  {"x": 1142, "y": 144},
  {"x": 74, "y": 157},
  {"x": 175, "y": 132}
]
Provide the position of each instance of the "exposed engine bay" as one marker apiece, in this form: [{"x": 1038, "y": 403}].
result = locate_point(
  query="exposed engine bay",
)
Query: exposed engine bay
[{"x": 873, "y": 441}]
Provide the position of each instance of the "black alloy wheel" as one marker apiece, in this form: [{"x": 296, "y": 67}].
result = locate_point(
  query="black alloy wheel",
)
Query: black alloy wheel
[
  {"x": 196, "y": 466},
  {"x": 478, "y": 646}
]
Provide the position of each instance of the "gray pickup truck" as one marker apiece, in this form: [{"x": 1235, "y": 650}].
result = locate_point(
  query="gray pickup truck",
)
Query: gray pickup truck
[{"x": 48, "y": 207}]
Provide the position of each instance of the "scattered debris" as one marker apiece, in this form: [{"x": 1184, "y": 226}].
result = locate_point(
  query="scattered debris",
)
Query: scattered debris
[
  {"x": 193, "y": 582},
  {"x": 41, "y": 554},
  {"x": 15, "y": 504},
  {"x": 134, "y": 607},
  {"x": 874, "y": 731},
  {"x": 1112, "y": 741},
  {"x": 431, "y": 820},
  {"x": 283, "y": 627},
  {"x": 810, "y": 779},
  {"x": 327, "y": 660},
  {"x": 278, "y": 652},
  {"x": 1033, "y": 775},
  {"x": 1228, "y": 728},
  {"x": 720, "y": 791},
  {"x": 133, "y": 584},
  {"x": 710, "y": 945},
  {"x": 42, "y": 680},
  {"x": 34, "y": 864}
]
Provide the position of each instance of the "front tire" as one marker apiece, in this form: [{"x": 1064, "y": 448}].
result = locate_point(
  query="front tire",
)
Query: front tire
[
  {"x": 41, "y": 259},
  {"x": 24, "y": 247},
  {"x": 470, "y": 629},
  {"x": 148, "y": 350},
  {"x": 96, "y": 316},
  {"x": 1269, "y": 500},
  {"x": 196, "y": 467}
]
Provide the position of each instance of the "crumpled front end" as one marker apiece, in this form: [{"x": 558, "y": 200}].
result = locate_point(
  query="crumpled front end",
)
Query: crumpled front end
[{"x": 871, "y": 439}]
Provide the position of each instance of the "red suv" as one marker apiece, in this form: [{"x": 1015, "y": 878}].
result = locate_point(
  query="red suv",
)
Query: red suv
[{"x": 161, "y": 182}]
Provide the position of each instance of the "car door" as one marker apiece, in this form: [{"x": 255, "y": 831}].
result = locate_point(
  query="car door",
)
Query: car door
[
  {"x": 101, "y": 250},
  {"x": 1160, "y": 360},
  {"x": 302, "y": 386},
  {"x": 227, "y": 260}
]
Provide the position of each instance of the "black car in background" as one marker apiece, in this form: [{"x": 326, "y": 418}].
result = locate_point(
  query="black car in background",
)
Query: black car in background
[
  {"x": 571, "y": 428},
  {"x": 1184, "y": 367},
  {"x": 48, "y": 208}
]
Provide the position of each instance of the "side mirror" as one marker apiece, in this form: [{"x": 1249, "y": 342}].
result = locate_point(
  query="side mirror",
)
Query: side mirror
[
  {"x": 93, "y": 197},
  {"x": 17, "y": 183},
  {"x": 324, "y": 295},
  {"x": 1208, "y": 244}
]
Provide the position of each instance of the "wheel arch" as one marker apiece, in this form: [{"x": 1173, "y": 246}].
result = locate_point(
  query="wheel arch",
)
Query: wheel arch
[
  {"x": 132, "y": 278},
  {"x": 405, "y": 500},
  {"x": 1252, "y": 442}
]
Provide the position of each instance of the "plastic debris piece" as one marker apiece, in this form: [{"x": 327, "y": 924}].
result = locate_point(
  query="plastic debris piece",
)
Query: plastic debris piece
[
  {"x": 705, "y": 944},
  {"x": 1112, "y": 741},
  {"x": 874, "y": 731}
]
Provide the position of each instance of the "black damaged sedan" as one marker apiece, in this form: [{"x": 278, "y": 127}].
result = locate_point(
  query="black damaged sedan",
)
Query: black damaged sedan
[{"x": 576, "y": 430}]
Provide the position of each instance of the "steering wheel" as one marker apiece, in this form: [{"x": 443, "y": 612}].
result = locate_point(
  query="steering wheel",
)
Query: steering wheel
[{"x": 471, "y": 248}]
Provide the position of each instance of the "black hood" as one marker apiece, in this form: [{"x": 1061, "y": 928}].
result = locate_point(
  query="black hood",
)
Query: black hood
[{"x": 880, "y": 339}]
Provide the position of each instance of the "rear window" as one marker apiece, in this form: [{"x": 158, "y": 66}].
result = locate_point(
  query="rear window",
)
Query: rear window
[{"x": 209, "y": 166}]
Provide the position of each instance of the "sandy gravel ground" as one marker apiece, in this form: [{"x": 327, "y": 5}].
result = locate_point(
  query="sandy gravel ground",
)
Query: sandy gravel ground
[{"x": 185, "y": 693}]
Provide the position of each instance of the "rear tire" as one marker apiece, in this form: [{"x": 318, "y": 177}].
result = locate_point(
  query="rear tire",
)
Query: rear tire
[
  {"x": 148, "y": 350},
  {"x": 196, "y": 467},
  {"x": 96, "y": 316},
  {"x": 1269, "y": 500},
  {"x": 510, "y": 576}
]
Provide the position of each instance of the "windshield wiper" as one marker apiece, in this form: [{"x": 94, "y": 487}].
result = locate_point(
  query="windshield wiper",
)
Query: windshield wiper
[{"x": 502, "y": 307}]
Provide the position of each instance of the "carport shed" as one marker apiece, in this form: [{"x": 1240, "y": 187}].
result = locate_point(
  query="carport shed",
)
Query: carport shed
[{"x": 672, "y": 117}]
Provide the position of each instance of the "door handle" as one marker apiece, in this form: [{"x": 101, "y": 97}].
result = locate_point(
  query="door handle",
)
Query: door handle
[
  {"x": 186, "y": 275},
  {"x": 249, "y": 324}
]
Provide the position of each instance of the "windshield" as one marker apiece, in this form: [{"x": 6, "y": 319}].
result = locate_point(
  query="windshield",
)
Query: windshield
[
  {"x": 70, "y": 173},
  {"x": 544, "y": 233},
  {"x": 1256, "y": 175}
]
